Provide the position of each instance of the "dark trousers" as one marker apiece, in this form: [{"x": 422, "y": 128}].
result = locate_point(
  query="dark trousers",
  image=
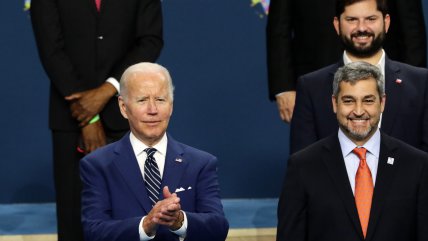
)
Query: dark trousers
[{"x": 67, "y": 182}]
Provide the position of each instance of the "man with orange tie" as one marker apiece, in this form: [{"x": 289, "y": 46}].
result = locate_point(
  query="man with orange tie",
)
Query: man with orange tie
[
  {"x": 357, "y": 184},
  {"x": 84, "y": 47}
]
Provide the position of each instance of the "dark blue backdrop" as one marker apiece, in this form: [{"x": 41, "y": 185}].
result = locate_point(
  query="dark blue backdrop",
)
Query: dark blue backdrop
[{"x": 215, "y": 51}]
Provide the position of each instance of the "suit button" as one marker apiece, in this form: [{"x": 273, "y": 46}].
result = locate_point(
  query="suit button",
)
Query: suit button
[{"x": 100, "y": 37}]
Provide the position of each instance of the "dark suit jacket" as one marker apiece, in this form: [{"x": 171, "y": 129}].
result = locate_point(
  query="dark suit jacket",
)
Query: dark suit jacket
[
  {"x": 301, "y": 38},
  {"x": 80, "y": 48},
  {"x": 114, "y": 197},
  {"x": 317, "y": 202},
  {"x": 405, "y": 116}
]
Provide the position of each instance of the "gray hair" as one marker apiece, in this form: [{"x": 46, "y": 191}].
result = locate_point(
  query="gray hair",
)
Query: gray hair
[
  {"x": 145, "y": 67},
  {"x": 356, "y": 71}
]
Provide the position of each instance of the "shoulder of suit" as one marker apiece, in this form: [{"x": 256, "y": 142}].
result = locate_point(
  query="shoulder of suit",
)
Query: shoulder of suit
[
  {"x": 406, "y": 67},
  {"x": 321, "y": 74},
  {"x": 189, "y": 151},
  {"x": 311, "y": 152},
  {"x": 403, "y": 148},
  {"x": 103, "y": 153}
]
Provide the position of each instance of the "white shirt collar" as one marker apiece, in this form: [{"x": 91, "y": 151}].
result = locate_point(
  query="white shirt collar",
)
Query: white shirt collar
[
  {"x": 138, "y": 146},
  {"x": 380, "y": 64},
  {"x": 372, "y": 145}
]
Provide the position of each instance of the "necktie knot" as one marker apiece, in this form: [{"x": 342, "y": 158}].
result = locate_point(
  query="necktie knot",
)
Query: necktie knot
[
  {"x": 150, "y": 152},
  {"x": 360, "y": 152}
]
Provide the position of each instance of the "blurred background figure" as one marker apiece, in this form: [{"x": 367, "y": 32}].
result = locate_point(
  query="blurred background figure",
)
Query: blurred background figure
[
  {"x": 300, "y": 40},
  {"x": 84, "y": 47}
]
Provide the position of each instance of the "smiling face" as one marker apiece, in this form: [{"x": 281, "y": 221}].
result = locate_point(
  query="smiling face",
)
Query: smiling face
[
  {"x": 147, "y": 105},
  {"x": 358, "y": 107},
  {"x": 362, "y": 28}
]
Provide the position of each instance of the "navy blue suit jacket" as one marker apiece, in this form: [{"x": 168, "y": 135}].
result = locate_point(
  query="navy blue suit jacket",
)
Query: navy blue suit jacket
[
  {"x": 114, "y": 197},
  {"x": 317, "y": 202},
  {"x": 405, "y": 116}
]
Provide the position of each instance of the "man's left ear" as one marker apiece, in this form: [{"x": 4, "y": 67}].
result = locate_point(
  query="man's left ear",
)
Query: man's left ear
[
  {"x": 383, "y": 102},
  {"x": 334, "y": 103},
  {"x": 122, "y": 107},
  {"x": 387, "y": 21}
]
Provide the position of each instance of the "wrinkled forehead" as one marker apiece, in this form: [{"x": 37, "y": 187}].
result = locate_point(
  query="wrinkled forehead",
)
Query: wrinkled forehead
[
  {"x": 137, "y": 79},
  {"x": 358, "y": 88}
]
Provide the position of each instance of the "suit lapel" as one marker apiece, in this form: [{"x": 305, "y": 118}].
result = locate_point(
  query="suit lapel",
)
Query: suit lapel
[
  {"x": 333, "y": 159},
  {"x": 385, "y": 175},
  {"x": 393, "y": 96},
  {"x": 127, "y": 165},
  {"x": 175, "y": 165}
]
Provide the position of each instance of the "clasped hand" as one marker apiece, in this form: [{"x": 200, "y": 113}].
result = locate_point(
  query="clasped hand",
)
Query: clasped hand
[
  {"x": 166, "y": 212},
  {"x": 85, "y": 105}
]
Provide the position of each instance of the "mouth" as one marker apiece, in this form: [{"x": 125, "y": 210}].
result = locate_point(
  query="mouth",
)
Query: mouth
[
  {"x": 152, "y": 123},
  {"x": 362, "y": 37},
  {"x": 359, "y": 121}
]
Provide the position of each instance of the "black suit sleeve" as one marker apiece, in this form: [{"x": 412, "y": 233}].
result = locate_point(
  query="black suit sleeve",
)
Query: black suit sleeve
[
  {"x": 302, "y": 129},
  {"x": 292, "y": 206},
  {"x": 407, "y": 34},
  {"x": 423, "y": 205},
  {"x": 50, "y": 42},
  {"x": 279, "y": 30},
  {"x": 424, "y": 143},
  {"x": 148, "y": 40}
]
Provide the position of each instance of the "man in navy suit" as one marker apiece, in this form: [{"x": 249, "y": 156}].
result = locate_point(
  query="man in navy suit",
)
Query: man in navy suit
[
  {"x": 118, "y": 200},
  {"x": 362, "y": 25},
  {"x": 358, "y": 183}
]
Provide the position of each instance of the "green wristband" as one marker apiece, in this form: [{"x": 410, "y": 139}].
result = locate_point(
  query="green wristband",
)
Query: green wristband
[{"x": 95, "y": 119}]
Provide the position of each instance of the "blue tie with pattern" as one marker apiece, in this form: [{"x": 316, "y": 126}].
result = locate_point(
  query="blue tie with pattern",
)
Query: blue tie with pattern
[{"x": 152, "y": 176}]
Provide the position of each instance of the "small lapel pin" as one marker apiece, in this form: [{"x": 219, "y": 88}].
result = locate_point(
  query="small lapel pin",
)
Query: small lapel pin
[
  {"x": 390, "y": 161},
  {"x": 178, "y": 159},
  {"x": 189, "y": 188},
  {"x": 398, "y": 81}
]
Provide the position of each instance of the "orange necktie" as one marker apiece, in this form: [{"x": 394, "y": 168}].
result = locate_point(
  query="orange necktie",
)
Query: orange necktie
[{"x": 363, "y": 189}]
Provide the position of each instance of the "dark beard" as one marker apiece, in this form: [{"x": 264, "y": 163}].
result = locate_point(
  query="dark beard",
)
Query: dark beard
[{"x": 366, "y": 51}]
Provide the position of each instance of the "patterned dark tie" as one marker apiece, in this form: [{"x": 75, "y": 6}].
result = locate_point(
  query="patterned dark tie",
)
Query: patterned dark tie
[{"x": 152, "y": 176}]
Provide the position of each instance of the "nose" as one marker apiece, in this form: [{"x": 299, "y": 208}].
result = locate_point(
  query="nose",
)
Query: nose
[
  {"x": 152, "y": 107},
  {"x": 362, "y": 26},
  {"x": 358, "y": 109}
]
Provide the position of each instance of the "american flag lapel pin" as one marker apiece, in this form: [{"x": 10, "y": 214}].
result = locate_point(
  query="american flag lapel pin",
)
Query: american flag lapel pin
[
  {"x": 398, "y": 81},
  {"x": 178, "y": 159}
]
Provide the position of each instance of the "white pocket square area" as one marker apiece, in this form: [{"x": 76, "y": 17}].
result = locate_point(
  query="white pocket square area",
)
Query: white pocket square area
[{"x": 180, "y": 189}]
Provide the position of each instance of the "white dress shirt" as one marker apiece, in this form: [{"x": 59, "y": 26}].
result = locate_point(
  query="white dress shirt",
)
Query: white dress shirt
[
  {"x": 352, "y": 161},
  {"x": 160, "y": 155}
]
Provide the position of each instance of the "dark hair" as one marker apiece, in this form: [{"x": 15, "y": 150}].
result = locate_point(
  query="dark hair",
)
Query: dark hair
[{"x": 342, "y": 4}]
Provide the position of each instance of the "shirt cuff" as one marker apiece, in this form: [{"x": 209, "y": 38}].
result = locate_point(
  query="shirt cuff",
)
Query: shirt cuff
[
  {"x": 115, "y": 84},
  {"x": 183, "y": 230},
  {"x": 283, "y": 93},
  {"x": 143, "y": 235}
]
